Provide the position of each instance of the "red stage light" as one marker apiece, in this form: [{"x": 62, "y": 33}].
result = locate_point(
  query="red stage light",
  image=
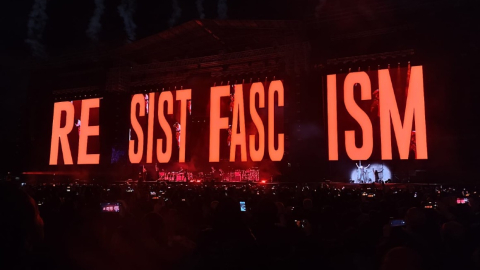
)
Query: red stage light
[{"x": 263, "y": 181}]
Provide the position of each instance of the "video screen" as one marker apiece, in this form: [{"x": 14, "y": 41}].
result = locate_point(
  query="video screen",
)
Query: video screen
[
  {"x": 375, "y": 118},
  {"x": 377, "y": 114},
  {"x": 241, "y": 123},
  {"x": 75, "y": 132}
]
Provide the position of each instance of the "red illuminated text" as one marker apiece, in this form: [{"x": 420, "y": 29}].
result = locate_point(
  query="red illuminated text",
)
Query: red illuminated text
[
  {"x": 389, "y": 116},
  {"x": 60, "y": 134},
  {"x": 239, "y": 136}
]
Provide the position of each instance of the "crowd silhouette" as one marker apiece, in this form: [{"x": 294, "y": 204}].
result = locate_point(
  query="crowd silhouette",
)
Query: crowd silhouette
[{"x": 202, "y": 226}]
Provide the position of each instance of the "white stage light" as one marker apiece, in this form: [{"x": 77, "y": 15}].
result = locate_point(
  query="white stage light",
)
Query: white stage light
[{"x": 383, "y": 173}]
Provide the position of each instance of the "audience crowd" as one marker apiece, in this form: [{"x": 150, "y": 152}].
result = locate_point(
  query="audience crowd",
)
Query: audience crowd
[{"x": 205, "y": 226}]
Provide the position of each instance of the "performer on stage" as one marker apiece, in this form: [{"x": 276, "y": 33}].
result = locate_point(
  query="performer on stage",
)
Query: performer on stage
[
  {"x": 77, "y": 124},
  {"x": 362, "y": 172},
  {"x": 161, "y": 175},
  {"x": 177, "y": 132},
  {"x": 359, "y": 171},
  {"x": 232, "y": 99},
  {"x": 146, "y": 102},
  {"x": 180, "y": 175},
  {"x": 189, "y": 106},
  {"x": 413, "y": 144},
  {"x": 185, "y": 176},
  {"x": 229, "y": 138},
  {"x": 365, "y": 174},
  {"x": 212, "y": 174},
  {"x": 143, "y": 175},
  {"x": 375, "y": 107},
  {"x": 375, "y": 173},
  {"x": 220, "y": 172}
]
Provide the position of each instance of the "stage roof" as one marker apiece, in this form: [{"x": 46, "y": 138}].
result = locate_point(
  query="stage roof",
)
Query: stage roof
[{"x": 207, "y": 37}]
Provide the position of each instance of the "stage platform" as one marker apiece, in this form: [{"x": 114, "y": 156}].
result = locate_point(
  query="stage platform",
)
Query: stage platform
[
  {"x": 378, "y": 185},
  {"x": 323, "y": 183}
]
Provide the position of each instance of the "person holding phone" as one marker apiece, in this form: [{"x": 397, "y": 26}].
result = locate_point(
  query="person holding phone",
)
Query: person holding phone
[
  {"x": 397, "y": 222},
  {"x": 23, "y": 229},
  {"x": 243, "y": 208},
  {"x": 411, "y": 230},
  {"x": 154, "y": 224},
  {"x": 229, "y": 241}
]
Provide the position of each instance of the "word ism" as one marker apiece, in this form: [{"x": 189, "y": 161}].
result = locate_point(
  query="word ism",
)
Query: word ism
[
  {"x": 388, "y": 112},
  {"x": 165, "y": 103}
]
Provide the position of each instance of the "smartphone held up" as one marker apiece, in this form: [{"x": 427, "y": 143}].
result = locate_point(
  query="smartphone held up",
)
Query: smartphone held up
[{"x": 110, "y": 207}]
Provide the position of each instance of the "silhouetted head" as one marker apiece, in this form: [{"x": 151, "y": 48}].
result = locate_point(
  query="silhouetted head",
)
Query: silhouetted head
[
  {"x": 214, "y": 205},
  {"x": 401, "y": 258},
  {"x": 476, "y": 258},
  {"x": 227, "y": 214},
  {"x": 453, "y": 232},
  {"x": 415, "y": 219},
  {"x": 266, "y": 212},
  {"x": 280, "y": 208},
  {"x": 307, "y": 204},
  {"x": 158, "y": 206},
  {"x": 21, "y": 226}
]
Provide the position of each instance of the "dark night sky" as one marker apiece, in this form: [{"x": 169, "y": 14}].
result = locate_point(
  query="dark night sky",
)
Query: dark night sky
[{"x": 67, "y": 21}]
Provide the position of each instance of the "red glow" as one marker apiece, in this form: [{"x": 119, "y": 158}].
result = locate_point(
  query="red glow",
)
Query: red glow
[
  {"x": 136, "y": 157},
  {"x": 216, "y": 121},
  {"x": 46, "y": 173},
  {"x": 332, "y": 117},
  {"x": 389, "y": 115},
  {"x": 164, "y": 157},
  {"x": 183, "y": 96},
  {"x": 151, "y": 107},
  {"x": 414, "y": 112},
  {"x": 365, "y": 151},
  {"x": 238, "y": 138},
  {"x": 88, "y": 131},
  {"x": 257, "y": 88},
  {"x": 60, "y": 134},
  {"x": 275, "y": 154}
]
